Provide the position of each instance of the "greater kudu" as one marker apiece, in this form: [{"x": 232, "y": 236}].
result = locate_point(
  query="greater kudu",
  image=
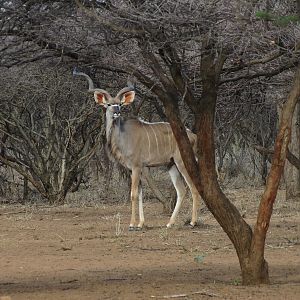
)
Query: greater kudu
[{"x": 137, "y": 145}]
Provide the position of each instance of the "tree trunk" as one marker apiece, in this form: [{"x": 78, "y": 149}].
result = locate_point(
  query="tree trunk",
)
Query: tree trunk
[
  {"x": 256, "y": 254},
  {"x": 264, "y": 168},
  {"x": 292, "y": 174},
  {"x": 206, "y": 182},
  {"x": 57, "y": 197},
  {"x": 25, "y": 190},
  {"x": 223, "y": 210},
  {"x": 167, "y": 203}
]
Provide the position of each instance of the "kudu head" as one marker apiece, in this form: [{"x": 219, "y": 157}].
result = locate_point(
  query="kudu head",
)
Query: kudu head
[{"x": 112, "y": 104}]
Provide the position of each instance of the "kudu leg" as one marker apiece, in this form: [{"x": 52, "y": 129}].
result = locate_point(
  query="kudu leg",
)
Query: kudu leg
[
  {"x": 135, "y": 180},
  {"x": 178, "y": 183},
  {"x": 194, "y": 192},
  {"x": 141, "y": 209}
]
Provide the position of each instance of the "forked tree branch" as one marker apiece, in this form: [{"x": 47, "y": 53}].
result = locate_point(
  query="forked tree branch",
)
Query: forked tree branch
[
  {"x": 290, "y": 156},
  {"x": 269, "y": 73}
]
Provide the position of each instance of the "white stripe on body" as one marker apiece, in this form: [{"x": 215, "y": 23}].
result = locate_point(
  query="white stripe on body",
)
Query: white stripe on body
[
  {"x": 156, "y": 140},
  {"x": 145, "y": 122},
  {"x": 170, "y": 138},
  {"x": 149, "y": 143}
]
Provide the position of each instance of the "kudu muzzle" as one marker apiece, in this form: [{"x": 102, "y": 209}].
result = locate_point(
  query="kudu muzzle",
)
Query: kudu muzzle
[{"x": 115, "y": 110}]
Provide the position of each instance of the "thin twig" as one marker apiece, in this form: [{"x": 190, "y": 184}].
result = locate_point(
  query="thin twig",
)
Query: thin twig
[{"x": 204, "y": 293}]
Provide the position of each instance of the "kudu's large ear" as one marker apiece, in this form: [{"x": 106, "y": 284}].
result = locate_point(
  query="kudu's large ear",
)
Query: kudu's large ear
[
  {"x": 101, "y": 97},
  {"x": 127, "y": 98},
  {"x": 126, "y": 95}
]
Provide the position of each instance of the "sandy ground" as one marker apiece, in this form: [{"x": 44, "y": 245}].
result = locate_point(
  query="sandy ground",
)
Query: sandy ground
[{"x": 82, "y": 252}]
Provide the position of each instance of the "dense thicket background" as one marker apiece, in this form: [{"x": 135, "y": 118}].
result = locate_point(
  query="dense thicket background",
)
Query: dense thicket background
[
  {"x": 51, "y": 131},
  {"x": 225, "y": 69}
]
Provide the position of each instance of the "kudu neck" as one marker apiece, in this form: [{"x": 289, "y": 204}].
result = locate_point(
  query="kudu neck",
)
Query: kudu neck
[{"x": 111, "y": 121}]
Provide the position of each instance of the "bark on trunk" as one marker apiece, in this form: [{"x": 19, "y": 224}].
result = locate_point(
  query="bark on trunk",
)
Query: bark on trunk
[
  {"x": 223, "y": 210},
  {"x": 205, "y": 181},
  {"x": 57, "y": 198},
  {"x": 292, "y": 174},
  {"x": 256, "y": 254},
  {"x": 25, "y": 190}
]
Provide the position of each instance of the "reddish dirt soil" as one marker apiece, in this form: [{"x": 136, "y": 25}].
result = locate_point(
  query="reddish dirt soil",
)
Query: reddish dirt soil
[{"x": 81, "y": 252}]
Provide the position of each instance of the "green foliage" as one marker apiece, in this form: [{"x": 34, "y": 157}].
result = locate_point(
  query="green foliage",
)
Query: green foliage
[
  {"x": 286, "y": 20},
  {"x": 236, "y": 282},
  {"x": 264, "y": 15},
  {"x": 281, "y": 21}
]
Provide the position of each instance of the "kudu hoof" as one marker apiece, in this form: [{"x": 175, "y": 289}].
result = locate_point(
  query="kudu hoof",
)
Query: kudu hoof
[
  {"x": 133, "y": 228},
  {"x": 190, "y": 224}
]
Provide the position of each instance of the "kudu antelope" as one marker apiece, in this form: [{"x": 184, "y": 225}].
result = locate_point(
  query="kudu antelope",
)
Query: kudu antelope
[{"x": 137, "y": 145}]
